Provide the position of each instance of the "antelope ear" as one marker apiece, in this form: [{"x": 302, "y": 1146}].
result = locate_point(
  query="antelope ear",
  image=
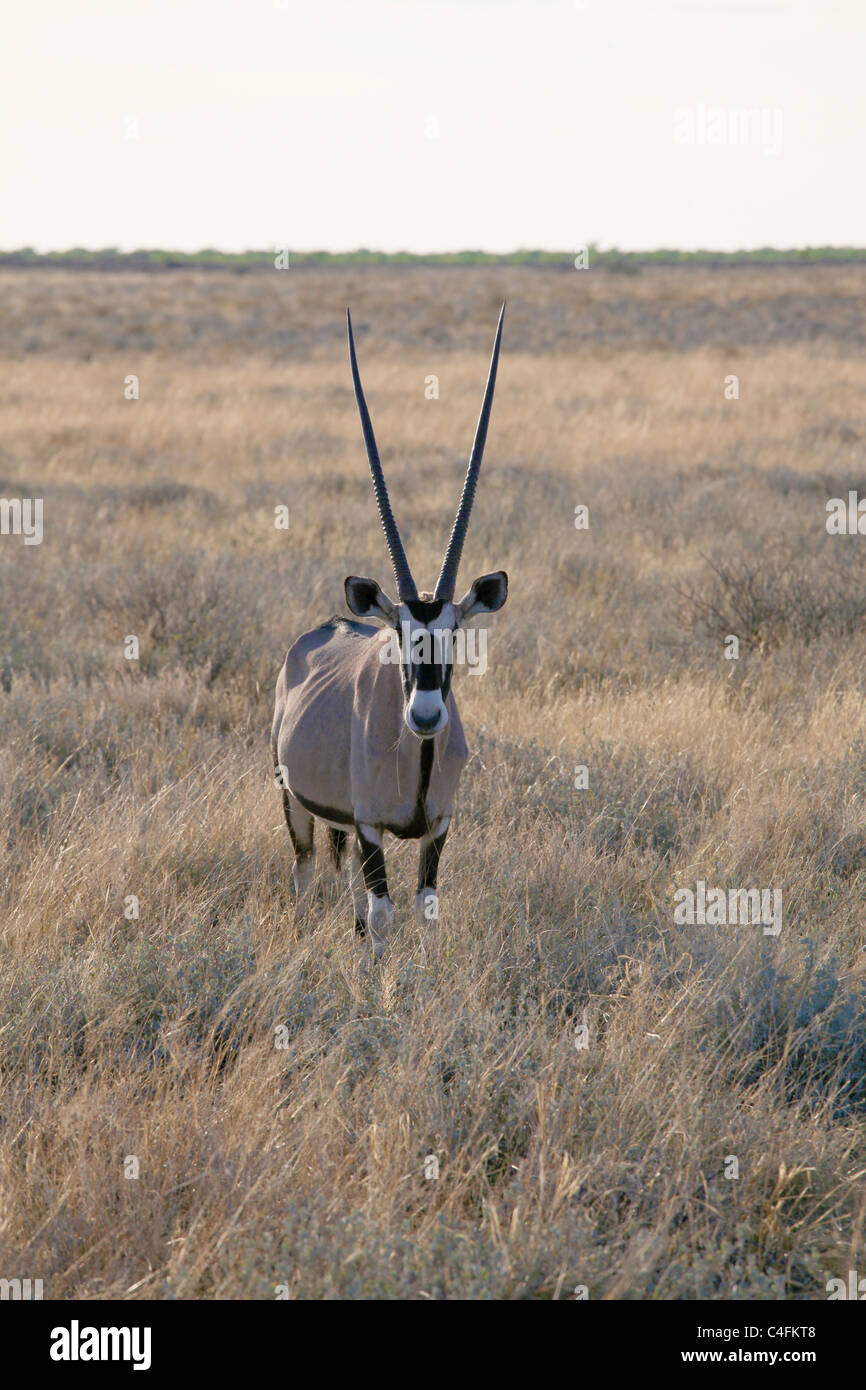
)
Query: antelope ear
[
  {"x": 487, "y": 595},
  {"x": 366, "y": 599}
]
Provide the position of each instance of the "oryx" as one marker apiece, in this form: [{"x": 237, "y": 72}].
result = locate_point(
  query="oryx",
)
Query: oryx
[{"x": 366, "y": 735}]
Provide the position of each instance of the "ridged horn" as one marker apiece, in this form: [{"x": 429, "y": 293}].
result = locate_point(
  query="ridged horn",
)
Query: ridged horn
[
  {"x": 405, "y": 583},
  {"x": 448, "y": 574}
]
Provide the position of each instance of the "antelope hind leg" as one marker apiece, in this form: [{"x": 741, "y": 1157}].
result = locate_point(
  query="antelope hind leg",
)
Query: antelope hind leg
[{"x": 301, "y": 824}]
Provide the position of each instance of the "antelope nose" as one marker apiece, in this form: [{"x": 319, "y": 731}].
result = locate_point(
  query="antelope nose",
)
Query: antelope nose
[{"x": 425, "y": 721}]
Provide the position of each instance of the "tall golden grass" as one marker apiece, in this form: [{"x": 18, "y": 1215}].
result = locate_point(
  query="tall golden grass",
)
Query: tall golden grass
[{"x": 280, "y": 1098}]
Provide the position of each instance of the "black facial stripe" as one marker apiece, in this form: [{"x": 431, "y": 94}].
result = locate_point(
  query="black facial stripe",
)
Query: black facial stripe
[
  {"x": 428, "y": 676},
  {"x": 433, "y": 674},
  {"x": 425, "y": 610}
]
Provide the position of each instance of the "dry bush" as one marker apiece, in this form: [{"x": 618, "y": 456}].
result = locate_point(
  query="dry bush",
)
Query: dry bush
[{"x": 777, "y": 597}]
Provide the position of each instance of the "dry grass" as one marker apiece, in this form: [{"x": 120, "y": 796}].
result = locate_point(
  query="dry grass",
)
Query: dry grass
[{"x": 303, "y": 1166}]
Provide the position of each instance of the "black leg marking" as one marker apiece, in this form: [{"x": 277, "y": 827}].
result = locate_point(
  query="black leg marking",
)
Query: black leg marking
[
  {"x": 336, "y": 845},
  {"x": 360, "y": 928},
  {"x": 303, "y": 848},
  {"x": 372, "y": 866},
  {"x": 428, "y": 862}
]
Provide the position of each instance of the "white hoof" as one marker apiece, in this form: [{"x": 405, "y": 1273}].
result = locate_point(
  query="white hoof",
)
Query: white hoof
[{"x": 380, "y": 921}]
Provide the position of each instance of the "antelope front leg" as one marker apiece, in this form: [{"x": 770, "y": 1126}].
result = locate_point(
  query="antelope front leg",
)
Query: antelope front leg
[
  {"x": 426, "y": 896},
  {"x": 380, "y": 909}
]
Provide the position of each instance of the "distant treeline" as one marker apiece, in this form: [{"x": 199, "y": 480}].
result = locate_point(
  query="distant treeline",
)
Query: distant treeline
[{"x": 626, "y": 262}]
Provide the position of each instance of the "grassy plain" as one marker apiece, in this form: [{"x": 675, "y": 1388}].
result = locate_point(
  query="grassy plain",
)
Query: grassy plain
[{"x": 153, "y": 1038}]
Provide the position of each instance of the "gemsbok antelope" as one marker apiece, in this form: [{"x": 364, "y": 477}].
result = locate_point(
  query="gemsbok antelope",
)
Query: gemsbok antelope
[{"x": 368, "y": 742}]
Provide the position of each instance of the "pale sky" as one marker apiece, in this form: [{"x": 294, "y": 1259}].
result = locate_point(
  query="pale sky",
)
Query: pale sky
[{"x": 404, "y": 124}]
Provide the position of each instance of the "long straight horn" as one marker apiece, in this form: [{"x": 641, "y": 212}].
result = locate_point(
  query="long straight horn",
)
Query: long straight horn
[
  {"x": 448, "y": 574},
  {"x": 402, "y": 573}
]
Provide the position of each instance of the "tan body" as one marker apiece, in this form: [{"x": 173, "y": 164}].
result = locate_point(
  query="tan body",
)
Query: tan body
[{"x": 340, "y": 737}]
